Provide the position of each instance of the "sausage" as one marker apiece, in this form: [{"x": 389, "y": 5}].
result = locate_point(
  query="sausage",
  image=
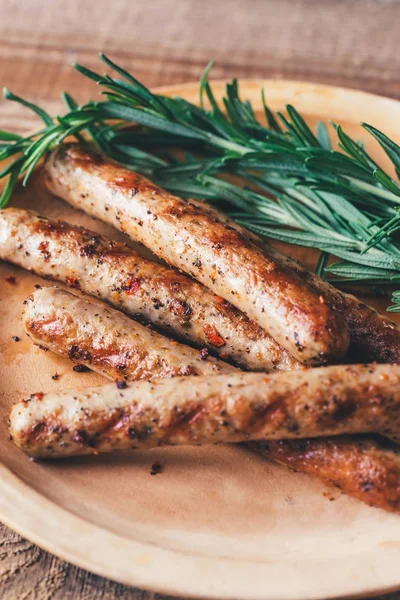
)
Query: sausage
[
  {"x": 225, "y": 408},
  {"x": 107, "y": 341},
  {"x": 373, "y": 337},
  {"x": 365, "y": 467},
  {"x": 118, "y": 348},
  {"x": 220, "y": 257},
  {"x": 175, "y": 304}
]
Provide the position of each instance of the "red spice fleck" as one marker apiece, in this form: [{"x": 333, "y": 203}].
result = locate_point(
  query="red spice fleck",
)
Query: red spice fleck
[
  {"x": 181, "y": 309},
  {"x": 37, "y": 396},
  {"x": 11, "y": 280},
  {"x": 213, "y": 336},
  {"x": 132, "y": 285},
  {"x": 224, "y": 304},
  {"x": 43, "y": 246},
  {"x": 203, "y": 354},
  {"x": 72, "y": 282}
]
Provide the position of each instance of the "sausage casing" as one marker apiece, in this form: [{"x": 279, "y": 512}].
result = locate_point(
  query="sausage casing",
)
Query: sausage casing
[
  {"x": 225, "y": 408},
  {"x": 373, "y": 337},
  {"x": 184, "y": 235},
  {"x": 107, "y": 341},
  {"x": 172, "y": 302},
  {"x": 365, "y": 467}
]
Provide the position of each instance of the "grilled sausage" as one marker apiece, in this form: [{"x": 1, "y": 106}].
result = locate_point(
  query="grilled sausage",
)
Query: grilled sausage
[
  {"x": 365, "y": 467},
  {"x": 174, "y": 303},
  {"x": 373, "y": 337},
  {"x": 110, "y": 343},
  {"x": 252, "y": 279},
  {"x": 107, "y": 341},
  {"x": 225, "y": 408}
]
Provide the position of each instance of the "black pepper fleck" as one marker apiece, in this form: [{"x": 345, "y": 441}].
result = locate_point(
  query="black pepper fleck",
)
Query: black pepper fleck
[
  {"x": 80, "y": 368},
  {"x": 156, "y": 468},
  {"x": 121, "y": 384}
]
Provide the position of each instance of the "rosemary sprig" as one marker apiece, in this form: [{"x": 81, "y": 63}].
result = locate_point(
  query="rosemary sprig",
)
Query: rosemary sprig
[
  {"x": 293, "y": 186},
  {"x": 28, "y": 151}
]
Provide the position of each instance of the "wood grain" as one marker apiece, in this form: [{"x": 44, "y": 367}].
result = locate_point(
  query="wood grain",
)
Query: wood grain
[
  {"x": 28, "y": 573},
  {"x": 352, "y": 43},
  {"x": 344, "y": 42}
]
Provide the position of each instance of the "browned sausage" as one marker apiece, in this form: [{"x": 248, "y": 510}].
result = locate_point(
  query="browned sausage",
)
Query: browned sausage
[
  {"x": 364, "y": 466},
  {"x": 251, "y": 278},
  {"x": 225, "y": 408},
  {"x": 117, "y": 347},
  {"x": 373, "y": 337},
  {"x": 88, "y": 332},
  {"x": 174, "y": 303}
]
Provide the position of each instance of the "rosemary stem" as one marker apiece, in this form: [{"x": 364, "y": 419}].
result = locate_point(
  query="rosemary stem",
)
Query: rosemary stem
[{"x": 374, "y": 190}]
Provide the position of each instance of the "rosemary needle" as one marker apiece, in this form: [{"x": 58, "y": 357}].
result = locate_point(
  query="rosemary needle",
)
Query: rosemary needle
[{"x": 290, "y": 184}]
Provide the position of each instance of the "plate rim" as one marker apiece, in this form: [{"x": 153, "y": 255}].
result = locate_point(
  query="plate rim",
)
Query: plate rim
[
  {"x": 18, "y": 505},
  {"x": 18, "y": 501}
]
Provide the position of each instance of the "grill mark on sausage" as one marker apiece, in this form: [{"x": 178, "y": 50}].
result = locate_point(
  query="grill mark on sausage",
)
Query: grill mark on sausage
[
  {"x": 107, "y": 341},
  {"x": 270, "y": 292},
  {"x": 224, "y": 408},
  {"x": 181, "y": 306}
]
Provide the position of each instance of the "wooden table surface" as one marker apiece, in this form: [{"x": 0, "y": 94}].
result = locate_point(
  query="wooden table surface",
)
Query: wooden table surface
[{"x": 353, "y": 43}]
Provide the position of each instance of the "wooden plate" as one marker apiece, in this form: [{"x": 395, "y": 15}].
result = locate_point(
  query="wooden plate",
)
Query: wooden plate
[{"x": 217, "y": 522}]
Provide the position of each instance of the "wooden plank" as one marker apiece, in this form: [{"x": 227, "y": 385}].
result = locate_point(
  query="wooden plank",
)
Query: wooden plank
[
  {"x": 28, "y": 573},
  {"x": 174, "y": 39}
]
